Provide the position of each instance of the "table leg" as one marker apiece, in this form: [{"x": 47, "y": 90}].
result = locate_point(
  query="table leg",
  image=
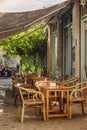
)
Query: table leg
[
  {"x": 47, "y": 105},
  {"x": 68, "y": 105}
]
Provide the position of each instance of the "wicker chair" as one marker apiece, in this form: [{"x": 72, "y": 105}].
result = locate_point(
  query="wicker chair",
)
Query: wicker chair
[
  {"x": 78, "y": 95},
  {"x": 32, "y": 98},
  {"x": 70, "y": 82},
  {"x": 17, "y": 95}
]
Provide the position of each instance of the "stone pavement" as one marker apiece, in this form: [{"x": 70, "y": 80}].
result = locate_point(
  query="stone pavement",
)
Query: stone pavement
[
  {"x": 5, "y": 83},
  {"x": 10, "y": 121}
]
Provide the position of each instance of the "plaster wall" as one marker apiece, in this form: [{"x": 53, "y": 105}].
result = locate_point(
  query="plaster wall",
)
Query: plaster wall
[{"x": 76, "y": 36}]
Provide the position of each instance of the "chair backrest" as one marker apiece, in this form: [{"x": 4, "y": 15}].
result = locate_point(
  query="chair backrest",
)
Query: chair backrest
[
  {"x": 30, "y": 94},
  {"x": 33, "y": 75},
  {"x": 80, "y": 90},
  {"x": 38, "y": 79},
  {"x": 18, "y": 79},
  {"x": 84, "y": 90},
  {"x": 70, "y": 82},
  {"x": 40, "y": 83}
]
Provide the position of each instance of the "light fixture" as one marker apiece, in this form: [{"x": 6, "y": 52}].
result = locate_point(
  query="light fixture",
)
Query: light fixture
[{"x": 83, "y": 2}]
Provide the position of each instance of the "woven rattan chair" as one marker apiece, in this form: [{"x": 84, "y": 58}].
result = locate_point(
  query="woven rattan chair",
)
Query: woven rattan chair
[
  {"x": 78, "y": 95},
  {"x": 70, "y": 82},
  {"x": 32, "y": 98}
]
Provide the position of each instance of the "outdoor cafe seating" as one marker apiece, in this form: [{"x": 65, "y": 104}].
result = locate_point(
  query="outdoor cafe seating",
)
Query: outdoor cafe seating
[{"x": 58, "y": 97}]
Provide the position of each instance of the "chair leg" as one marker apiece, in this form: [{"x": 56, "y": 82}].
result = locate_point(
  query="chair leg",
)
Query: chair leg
[
  {"x": 82, "y": 106},
  {"x": 22, "y": 114},
  {"x": 70, "y": 112},
  {"x": 44, "y": 113}
]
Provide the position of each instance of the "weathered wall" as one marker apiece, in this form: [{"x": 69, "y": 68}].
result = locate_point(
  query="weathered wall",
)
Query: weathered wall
[{"x": 76, "y": 36}]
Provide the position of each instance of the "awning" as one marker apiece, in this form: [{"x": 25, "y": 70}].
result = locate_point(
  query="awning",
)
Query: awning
[{"x": 14, "y": 23}]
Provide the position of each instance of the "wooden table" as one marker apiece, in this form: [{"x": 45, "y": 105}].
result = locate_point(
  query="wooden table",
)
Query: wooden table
[{"x": 57, "y": 109}]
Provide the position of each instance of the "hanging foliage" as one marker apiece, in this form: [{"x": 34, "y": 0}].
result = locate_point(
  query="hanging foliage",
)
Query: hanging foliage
[{"x": 31, "y": 47}]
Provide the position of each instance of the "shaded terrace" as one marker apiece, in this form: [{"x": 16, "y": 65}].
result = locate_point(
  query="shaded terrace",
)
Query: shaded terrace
[
  {"x": 9, "y": 120},
  {"x": 8, "y": 113}
]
